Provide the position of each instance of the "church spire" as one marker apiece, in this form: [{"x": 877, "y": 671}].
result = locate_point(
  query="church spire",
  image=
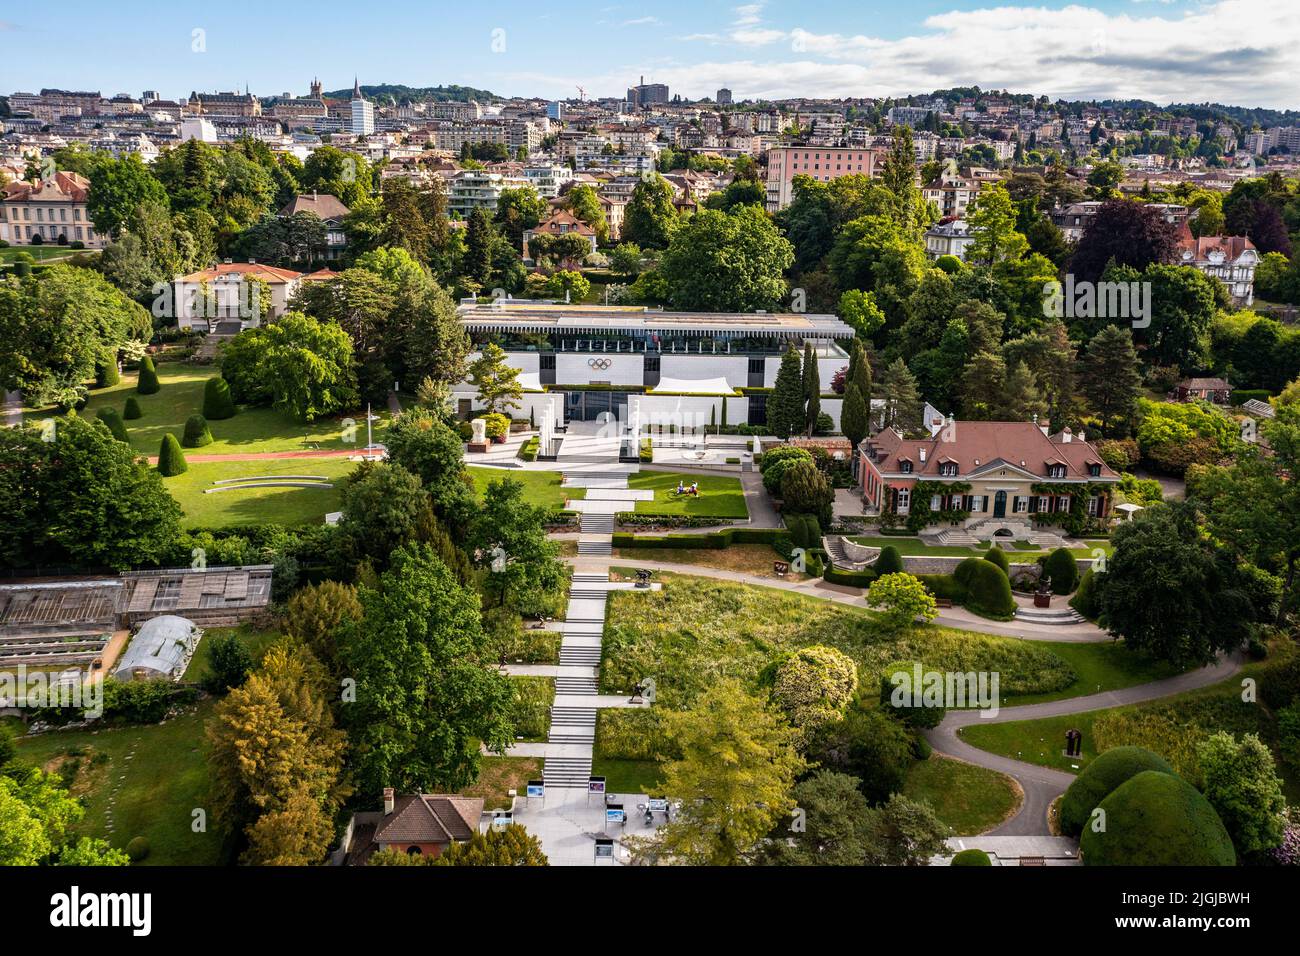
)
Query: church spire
[{"x": 356, "y": 88}]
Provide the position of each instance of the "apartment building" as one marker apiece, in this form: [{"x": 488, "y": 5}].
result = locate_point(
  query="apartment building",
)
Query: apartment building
[
  {"x": 819, "y": 162},
  {"x": 49, "y": 211},
  {"x": 472, "y": 189}
]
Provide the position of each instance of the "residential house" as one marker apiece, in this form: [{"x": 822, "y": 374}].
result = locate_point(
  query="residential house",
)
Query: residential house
[
  {"x": 423, "y": 824},
  {"x": 948, "y": 237},
  {"x": 561, "y": 222},
  {"x": 331, "y": 211},
  {"x": 992, "y": 479},
  {"x": 49, "y": 211},
  {"x": 229, "y": 291},
  {"x": 951, "y": 193},
  {"x": 1215, "y": 390},
  {"x": 1230, "y": 259}
]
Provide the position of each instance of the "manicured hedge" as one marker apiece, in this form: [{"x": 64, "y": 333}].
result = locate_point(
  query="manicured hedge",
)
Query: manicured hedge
[
  {"x": 113, "y": 421},
  {"x": 1100, "y": 778},
  {"x": 1087, "y": 599},
  {"x": 853, "y": 579},
  {"x": 944, "y": 586},
  {"x": 1157, "y": 819},
  {"x": 1240, "y": 396},
  {"x": 107, "y": 375},
  {"x": 171, "y": 460},
  {"x": 131, "y": 410},
  {"x": 971, "y": 857},
  {"x": 197, "y": 433},
  {"x": 147, "y": 381},
  {"x": 889, "y": 562},
  {"x": 716, "y": 540},
  {"x": 218, "y": 403},
  {"x": 1063, "y": 571},
  {"x": 998, "y": 557},
  {"x": 988, "y": 589}
]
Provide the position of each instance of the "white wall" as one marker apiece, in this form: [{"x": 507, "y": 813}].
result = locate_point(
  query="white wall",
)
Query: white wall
[
  {"x": 691, "y": 411},
  {"x": 826, "y": 369},
  {"x": 624, "y": 369}
]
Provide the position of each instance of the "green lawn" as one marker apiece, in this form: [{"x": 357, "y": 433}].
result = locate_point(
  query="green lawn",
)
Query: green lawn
[
  {"x": 720, "y": 497},
  {"x": 1098, "y": 667},
  {"x": 152, "y": 778},
  {"x": 969, "y": 799},
  {"x": 248, "y": 506},
  {"x": 257, "y": 642},
  {"x": 629, "y": 776},
  {"x": 540, "y": 487},
  {"x": 41, "y": 253},
  {"x": 253, "y": 430}
]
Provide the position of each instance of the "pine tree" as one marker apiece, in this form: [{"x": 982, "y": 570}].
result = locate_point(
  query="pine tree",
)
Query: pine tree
[
  {"x": 171, "y": 460},
  {"x": 1022, "y": 400},
  {"x": 983, "y": 385},
  {"x": 1110, "y": 375},
  {"x": 785, "y": 405},
  {"x": 902, "y": 398},
  {"x": 812, "y": 387}
]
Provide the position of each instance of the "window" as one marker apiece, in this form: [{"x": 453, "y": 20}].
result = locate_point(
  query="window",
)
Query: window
[
  {"x": 905, "y": 467},
  {"x": 1044, "y": 504},
  {"x": 545, "y": 362},
  {"x": 948, "y": 468},
  {"x": 904, "y": 500},
  {"x": 977, "y": 503},
  {"x": 1094, "y": 505},
  {"x": 936, "y": 503},
  {"x": 1020, "y": 505},
  {"x": 1094, "y": 470}
]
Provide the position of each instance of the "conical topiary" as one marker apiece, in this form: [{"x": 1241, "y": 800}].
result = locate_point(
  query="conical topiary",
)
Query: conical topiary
[
  {"x": 171, "y": 460},
  {"x": 147, "y": 383},
  {"x": 113, "y": 420},
  {"x": 196, "y": 432},
  {"x": 131, "y": 410},
  {"x": 106, "y": 375},
  {"x": 217, "y": 401}
]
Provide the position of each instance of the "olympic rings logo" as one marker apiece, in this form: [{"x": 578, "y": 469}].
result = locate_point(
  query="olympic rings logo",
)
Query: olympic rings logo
[{"x": 600, "y": 363}]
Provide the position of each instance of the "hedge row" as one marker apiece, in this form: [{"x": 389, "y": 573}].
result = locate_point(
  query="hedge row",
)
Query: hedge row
[{"x": 716, "y": 540}]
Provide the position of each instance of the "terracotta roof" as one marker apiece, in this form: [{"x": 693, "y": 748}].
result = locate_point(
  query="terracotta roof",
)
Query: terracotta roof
[
  {"x": 266, "y": 273},
  {"x": 1211, "y": 383},
  {"x": 978, "y": 446},
  {"x": 62, "y": 187},
  {"x": 562, "y": 217},
  {"x": 320, "y": 275},
  {"x": 1198, "y": 250},
  {"x": 430, "y": 818},
  {"x": 324, "y": 205}
]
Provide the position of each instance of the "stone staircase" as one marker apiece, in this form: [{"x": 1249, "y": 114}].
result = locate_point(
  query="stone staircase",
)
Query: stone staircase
[{"x": 1053, "y": 616}]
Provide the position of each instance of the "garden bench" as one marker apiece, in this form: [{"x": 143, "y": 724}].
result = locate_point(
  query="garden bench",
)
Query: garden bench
[{"x": 943, "y": 602}]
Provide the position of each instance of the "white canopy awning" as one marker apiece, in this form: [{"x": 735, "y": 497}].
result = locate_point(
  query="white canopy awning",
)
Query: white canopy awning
[{"x": 694, "y": 386}]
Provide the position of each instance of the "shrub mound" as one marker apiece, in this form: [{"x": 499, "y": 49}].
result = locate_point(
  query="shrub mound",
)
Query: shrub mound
[
  {"x": 1158, "y": 819},
  {"x": 138, "y": 849},
  {"x": 147, "y": 382},
  {"x": 113, "y": 421},
  {"x": 171, "y": 460},
  {"x": 197, "y": 434},
  {"x": 218, "y": 403},
  {"x": 1100, "y": 778},
  {"x": 906, "y": 700},
  {"x": 971, "y": 858},
  {"x": 1087, "y": 599},
  {"x": 1063, "y": 571},
  {"x": 131, "y": 410},
  {"x": 988, "y": 591},
  {"x": 106, "y": 375},
  {"x": 889, "y": 561},
  {"x": 999, "y": 557}
]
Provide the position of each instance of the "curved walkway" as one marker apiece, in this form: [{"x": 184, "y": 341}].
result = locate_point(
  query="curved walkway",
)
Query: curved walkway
[
  {"x": 1042, "y": 785},
  {"x": 842, "y": 594}
]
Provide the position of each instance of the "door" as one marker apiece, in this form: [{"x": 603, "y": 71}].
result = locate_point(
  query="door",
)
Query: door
[{"x": 1000, "y": 505}]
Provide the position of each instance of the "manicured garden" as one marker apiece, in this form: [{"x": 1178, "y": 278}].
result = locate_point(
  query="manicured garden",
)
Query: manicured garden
[
  {"x": 719, "y": 496},
  {"x": 542, "y": 488},
  {"x": 265, "y": 505},
  {"x": 1024, "y": 552},
  {"x": 252, "y": 430}
]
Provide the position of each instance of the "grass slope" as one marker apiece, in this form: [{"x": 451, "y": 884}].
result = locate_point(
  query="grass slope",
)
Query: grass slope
[{"x": 720, "y": 496}]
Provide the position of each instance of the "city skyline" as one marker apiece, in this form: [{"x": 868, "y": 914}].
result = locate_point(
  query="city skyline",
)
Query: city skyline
[{"x": 1105, "y": 49}]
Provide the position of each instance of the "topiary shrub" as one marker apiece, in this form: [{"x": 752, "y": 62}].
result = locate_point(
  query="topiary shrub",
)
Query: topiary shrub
[
  {"x": 998, "y": 557},
  {"x": 138, "y": 849},
  {"x": 971, "y": 858},
  {"x": 1107, "y": 771},
  {"x": 805, "y": 530},
  {"x": 1157, "y": 819},
  {"x": 889, "y": 561},
  {"x": 988, "y": 590},
  {"x": 903, "y": 697},
  {"x": 1087, "y": 599},
  {"x": 218, "y": 403},
  {"x": 106, "y": 375},
  {"x": 147, "y": 381},
  {"x": 113, "y": 421},
  {"x": 171, "y": 460},
  {"x": 1060, "y": 567},
  {"x": 131, "y": 410},
  {"x": 197, "y": 433}
]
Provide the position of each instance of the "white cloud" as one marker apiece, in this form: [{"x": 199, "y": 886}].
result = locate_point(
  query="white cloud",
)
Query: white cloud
[
  {"x": 748, "y": 14},
  {"x": 1230, "y": 51}
]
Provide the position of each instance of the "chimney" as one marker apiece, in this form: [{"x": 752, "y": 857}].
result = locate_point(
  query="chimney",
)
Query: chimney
[
  {"x": 920, "y": 453},
  {"x": 1066, "y": 435},
  {"x": 252, "y": 261},
  {"x": 1082, "y": 436},
  {"x": 388, "y": 800}
]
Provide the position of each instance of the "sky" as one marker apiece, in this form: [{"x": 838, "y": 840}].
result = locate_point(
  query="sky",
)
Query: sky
[{"x": 1238, "y": 52}]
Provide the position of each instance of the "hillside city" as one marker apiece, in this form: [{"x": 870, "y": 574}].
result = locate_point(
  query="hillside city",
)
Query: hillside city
[{"x": 424, "y": 476}]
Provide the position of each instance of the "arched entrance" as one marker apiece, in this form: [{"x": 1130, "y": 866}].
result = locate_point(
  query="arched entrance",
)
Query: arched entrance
[{"x": 1000, "y": 505}]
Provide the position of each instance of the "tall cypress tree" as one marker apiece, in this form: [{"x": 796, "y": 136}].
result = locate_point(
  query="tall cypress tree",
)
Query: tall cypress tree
[
  {"x": 785, "y": 406},
  {"x": 812, "y": 387}
]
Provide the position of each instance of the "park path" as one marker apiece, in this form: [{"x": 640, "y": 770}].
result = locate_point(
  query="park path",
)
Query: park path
[{"x": 1042, "y": 785}]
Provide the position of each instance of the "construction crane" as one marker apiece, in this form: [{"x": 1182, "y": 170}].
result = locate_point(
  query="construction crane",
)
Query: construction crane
[{"x": 582, "y": 94}]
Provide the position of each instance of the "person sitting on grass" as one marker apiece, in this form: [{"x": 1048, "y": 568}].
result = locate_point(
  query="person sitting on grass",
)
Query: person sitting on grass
[
  {"x": 680, "y": 489},
  {"x": 695, "y": 489}
]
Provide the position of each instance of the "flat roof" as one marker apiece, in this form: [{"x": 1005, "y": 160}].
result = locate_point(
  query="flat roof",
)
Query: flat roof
[{"x": 517, "y": 316}]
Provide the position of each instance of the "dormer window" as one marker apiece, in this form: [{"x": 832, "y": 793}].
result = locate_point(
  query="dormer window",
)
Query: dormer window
[
  {"x": 948, "y": 469},
  {"x": 905, "y": 467},
  {"x": 1094, "y": 470},
  {"x": 1056, "y": 471}
]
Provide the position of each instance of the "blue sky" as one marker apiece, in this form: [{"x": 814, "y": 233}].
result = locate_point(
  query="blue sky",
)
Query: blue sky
[{"x": 1234, "y": 51}]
